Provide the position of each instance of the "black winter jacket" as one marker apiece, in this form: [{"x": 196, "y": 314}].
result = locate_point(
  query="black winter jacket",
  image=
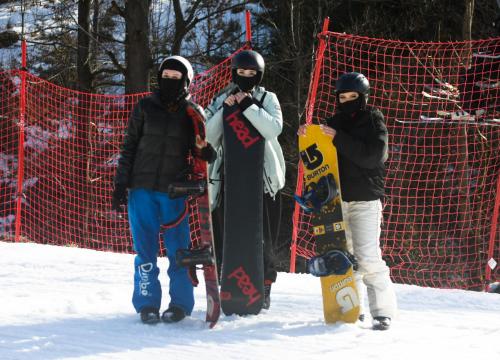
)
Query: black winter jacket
[
  {"x": 156, "y": 146},
  {"x": 361, "y": 143}
]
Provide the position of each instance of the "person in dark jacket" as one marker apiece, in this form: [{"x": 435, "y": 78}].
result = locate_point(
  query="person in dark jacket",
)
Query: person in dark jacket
[
  {"x": 155, "y": 151},
  {"x": 359, "y": 133}
]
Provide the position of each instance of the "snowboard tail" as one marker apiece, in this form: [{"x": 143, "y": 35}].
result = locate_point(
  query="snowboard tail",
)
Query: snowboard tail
[
  {"x": 323, "y": 200},
  {"x": 340, "y": 298}
]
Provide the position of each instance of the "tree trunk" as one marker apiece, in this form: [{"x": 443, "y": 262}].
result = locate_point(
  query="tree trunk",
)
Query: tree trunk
[
  {"x": 83, "y": 52},
  {"x": 95, "y": 33},
  {"x": 137, "y": 47},
  {"x": 463, "y": 169},
  {"x": 82, "y": 147},
  {"x": 468, "y": 17},
  {"x": 180, "y": 28}
]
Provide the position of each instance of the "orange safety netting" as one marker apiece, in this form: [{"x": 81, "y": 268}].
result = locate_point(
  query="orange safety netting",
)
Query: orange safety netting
[
  {"x": 71, "y": 142},
  {"x": 441, "y": 105}
]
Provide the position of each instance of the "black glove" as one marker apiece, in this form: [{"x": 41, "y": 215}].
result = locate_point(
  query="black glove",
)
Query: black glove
[
  {"x": 208, "y": 154},
  {"x": 119, "y": 198},
  {"x": 246, "y": 103}
]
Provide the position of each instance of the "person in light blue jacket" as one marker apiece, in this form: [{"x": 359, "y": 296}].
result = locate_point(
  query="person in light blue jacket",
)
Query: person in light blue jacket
[{"x": 263, "y": 110}]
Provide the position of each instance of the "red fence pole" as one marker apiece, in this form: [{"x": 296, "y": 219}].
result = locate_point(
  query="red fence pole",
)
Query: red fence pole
[
  {"x": 493, "y": 233},
  {"x": 248, "y": 27},
  {"x": 20, "y": 149},
  {"x": 309, "y": 113}
]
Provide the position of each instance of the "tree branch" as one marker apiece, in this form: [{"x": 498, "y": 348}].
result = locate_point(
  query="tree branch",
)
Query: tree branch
[
  {"x": 179, "y": 16},
  {"x": 193, "y": 11},
  {"x": 113, "y": 71},
  {"x": 115, "y": 62},
  {"x": 107, "y": 37},
  {"x": 55, "y": 44},
  {"x": 118, "y": 9},
  {"x": 195, "y": 21}
]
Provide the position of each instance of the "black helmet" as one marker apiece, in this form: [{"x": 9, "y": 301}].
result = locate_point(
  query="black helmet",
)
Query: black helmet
[
  {"x": 249, "y": 59},
  {"x": 353, "y": 81}
]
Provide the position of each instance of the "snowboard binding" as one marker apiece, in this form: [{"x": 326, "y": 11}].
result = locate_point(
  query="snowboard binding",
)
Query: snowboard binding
[
  {"x": 188, "y": 188},
  {"x": 193, "y": 257},
  {"x": 334, "y": 262},
  {"x": 318, "y": 194},
  {"x": 190, "y": 258}
]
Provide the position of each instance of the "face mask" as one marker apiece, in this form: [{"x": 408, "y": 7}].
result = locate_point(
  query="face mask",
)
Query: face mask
[
  {"x": 350, "y": 107},
  {"x": 245, "y": 83},
  {"x": 171, "y": 90}
]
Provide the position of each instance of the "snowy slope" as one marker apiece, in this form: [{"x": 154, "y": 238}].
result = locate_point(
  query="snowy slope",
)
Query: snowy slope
[{"x": 69, "y": 303}]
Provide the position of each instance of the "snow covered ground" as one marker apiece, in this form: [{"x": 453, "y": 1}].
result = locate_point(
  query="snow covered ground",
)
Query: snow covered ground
[{"x": 69, "y": 303}]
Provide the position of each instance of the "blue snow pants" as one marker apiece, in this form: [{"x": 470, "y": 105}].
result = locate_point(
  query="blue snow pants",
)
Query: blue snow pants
[{"x": 147, "y": 211}]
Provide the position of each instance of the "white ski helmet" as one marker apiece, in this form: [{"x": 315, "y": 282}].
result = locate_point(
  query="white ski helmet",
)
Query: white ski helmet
[{"x": 181, "y": 64}]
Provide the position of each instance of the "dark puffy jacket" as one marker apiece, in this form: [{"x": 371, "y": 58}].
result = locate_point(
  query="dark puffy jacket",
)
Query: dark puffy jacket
[
  {"x": 156, "y": 146},
  {"x": 361, "y": 143}
]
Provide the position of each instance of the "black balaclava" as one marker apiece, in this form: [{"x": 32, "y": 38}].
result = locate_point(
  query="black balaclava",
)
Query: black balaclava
[
  {"x": 172, "y": 90},
  {"x": 356, "y": 82},
  {"x": 353, "y": 106},
  {"x": 251, "y": 60},
  {"x": 245, "y": 83}
]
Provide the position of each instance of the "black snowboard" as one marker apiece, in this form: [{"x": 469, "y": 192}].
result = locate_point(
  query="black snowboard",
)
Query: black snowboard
[{"x": 242, "y": 280}]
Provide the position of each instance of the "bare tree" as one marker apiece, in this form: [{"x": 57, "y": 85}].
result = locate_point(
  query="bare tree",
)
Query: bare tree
[
  {"x": 137, "y": 44},
  {"x": 8, "y": 38},
  {"x": 137, "y": 50},
  {"x": 84, "y": 75},
  {"x": 187, "y": 19},
  {"x": 468, "y": 17}
]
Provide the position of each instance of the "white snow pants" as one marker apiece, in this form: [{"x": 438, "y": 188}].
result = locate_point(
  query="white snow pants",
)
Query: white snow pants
[{"x": 363, "y": 220}]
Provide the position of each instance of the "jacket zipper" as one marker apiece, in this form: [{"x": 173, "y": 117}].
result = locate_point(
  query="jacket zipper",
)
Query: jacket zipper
[{"x": 160, "y": 167}]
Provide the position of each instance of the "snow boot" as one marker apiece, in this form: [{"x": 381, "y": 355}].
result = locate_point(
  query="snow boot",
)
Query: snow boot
[
  {"x": 150, "y": 315},
  {"x": 173, "y": 314},
  {"x": 381, "y": 323}
]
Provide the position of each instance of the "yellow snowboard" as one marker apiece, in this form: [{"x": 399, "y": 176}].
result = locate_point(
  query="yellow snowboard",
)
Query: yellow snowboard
[{"x": 319, "y": 157}]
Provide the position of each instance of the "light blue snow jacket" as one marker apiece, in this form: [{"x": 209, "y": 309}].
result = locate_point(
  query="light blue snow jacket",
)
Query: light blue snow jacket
[{"x": 268, "y": 120}]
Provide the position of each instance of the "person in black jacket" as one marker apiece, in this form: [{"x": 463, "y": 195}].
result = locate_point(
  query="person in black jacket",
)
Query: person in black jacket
[
  {"x": 155, "y": 151},
  {"x": 359, "y": 133}
]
